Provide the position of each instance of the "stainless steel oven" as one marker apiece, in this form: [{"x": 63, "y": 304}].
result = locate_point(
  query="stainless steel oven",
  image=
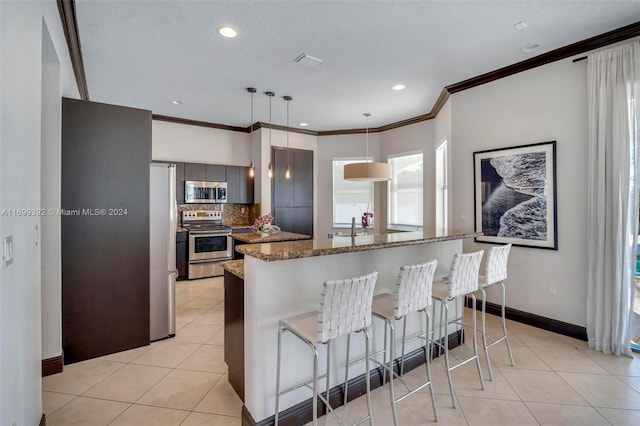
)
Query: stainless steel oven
[{"x": 209, "y": 242}]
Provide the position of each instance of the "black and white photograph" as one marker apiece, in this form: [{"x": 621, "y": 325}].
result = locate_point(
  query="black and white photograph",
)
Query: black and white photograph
[{"x": 515, "y": 195}]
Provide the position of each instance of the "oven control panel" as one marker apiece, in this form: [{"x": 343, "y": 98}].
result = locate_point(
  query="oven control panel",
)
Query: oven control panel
[{"x": 196, "y": 215}]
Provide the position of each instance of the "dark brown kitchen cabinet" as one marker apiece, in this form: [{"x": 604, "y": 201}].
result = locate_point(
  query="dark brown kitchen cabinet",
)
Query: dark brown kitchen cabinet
[
  {"x": 216, "y": 173},
  {"x": 239, "y": 185},
  {"x": 292, "y": 198},
  {"x": 182, "y": 254},
  {"x": 195, "y": 171},
  {"x": 180, "y": 183},
  {"x": 106, "y": 151}
]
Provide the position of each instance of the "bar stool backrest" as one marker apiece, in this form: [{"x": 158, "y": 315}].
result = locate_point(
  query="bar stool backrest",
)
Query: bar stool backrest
[
  {"x": 345, "y": 306},
  {"x": 496, "y": 268},
  {"x": 463, "y": 278},
  {"x": 413, "y": 288}
]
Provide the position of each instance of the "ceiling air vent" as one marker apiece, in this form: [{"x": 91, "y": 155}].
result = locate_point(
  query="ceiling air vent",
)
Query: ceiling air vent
[{"x": 308, "y": 60}]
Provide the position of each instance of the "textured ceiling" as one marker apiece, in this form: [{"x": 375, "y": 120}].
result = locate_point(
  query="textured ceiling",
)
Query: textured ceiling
[{"x": 145, "y": 54}]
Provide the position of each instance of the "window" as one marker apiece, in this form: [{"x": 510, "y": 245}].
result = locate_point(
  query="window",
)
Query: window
[
  {"x": 350, "y": 198},
  {"x": 442, "y": 196},
  {"x": 405, "y": 192}
]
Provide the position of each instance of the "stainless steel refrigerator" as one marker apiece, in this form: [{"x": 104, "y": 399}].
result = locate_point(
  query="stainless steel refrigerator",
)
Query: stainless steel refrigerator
[{"x": 163, "y": 222}]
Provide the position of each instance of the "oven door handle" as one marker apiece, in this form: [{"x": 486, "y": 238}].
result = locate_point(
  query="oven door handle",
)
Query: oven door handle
[{"x": 219, "y": 259}]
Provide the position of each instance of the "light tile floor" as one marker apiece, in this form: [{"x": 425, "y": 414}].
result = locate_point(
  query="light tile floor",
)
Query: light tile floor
[{"x": 182, "y": 381}]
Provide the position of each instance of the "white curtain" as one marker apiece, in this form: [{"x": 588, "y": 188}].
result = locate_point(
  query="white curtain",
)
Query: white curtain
[{"x": 613, "y": 79}]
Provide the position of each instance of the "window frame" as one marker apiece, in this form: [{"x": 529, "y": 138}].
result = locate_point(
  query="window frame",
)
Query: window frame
[{"x": 400, "y": 226}]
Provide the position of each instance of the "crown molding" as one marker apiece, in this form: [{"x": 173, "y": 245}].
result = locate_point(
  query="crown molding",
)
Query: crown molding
[
  {"x": 261, "y": 125},
  {"x": 189, "y": 122}
]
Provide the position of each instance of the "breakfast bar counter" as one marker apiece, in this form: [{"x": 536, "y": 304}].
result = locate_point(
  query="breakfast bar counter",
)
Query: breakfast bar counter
[
  {"x": 283, "y": 279},
  {"x": 256, "y": 238}
]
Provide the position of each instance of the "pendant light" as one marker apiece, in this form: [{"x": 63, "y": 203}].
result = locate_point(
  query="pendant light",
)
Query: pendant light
[
  {"x": 270, "y": 95},
  {"x": 287, "y": 173},
  {"x": 367, "y": 171},
  {"x": 252, "y": 168}
]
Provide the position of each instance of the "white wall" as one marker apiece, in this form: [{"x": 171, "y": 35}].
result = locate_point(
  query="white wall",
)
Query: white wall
[
  {"x": 21, "y": 32},
  {"x": 415, "y": 137},
  {"x": 442, "y": 131},
  {"x": 543, "y": 104},
  {"x": 50, "y": 185},
  {"x": 196, "y": 144},
  {"x": 330, "y": 147}
]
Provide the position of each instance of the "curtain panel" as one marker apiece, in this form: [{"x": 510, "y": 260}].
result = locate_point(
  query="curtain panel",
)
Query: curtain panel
[{"x": 613, "y": 80}]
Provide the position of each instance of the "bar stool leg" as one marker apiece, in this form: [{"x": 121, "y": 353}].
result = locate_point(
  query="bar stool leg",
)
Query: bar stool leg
[
  {"x": 391, "y": 358},
  {"x": 504, "y": 325},
  {"x": 326, "y": 410},
  {"x": 384, "y": 357},
  {"x": 346, "y": 371},
  {"x": 404, "y": 337},
  {"x": 440, "y": 339},
  {"x": 428, "y": 356},
  {"x": 484, "y": 332},
  {"x": 446, "y": 350},
  {"x": 475, "y": 341},
  {"x": 367, "y": 378},
  {"x": 315, "y": 387},
  {"x": 278, "y": 374}
]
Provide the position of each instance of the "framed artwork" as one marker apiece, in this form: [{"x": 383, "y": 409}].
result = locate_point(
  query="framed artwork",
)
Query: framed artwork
[{"x": 515, "y": 195}]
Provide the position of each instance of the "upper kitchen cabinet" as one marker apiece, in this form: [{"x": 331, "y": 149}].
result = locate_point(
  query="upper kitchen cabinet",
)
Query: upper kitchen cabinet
[
  {"x": 180, "y": 183},
  {"x": 239, "y": 185},
  {"x": 216, "y": 173},
  {"x": 195, "y": 171},
  {"x": 292, "y": 199},
  {"x": 106, "y": 151}
]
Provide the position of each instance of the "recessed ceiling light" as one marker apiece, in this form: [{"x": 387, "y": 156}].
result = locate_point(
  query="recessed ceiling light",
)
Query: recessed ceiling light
[
  {"x": 176, "y": 102},
  {"x": 520, "y": 26},
  {"x": 227, "y": 32},
  {"x": 527, "y": 48},
  {"x": 398, "y": 87},
  {"x": 304, "y": 124}
]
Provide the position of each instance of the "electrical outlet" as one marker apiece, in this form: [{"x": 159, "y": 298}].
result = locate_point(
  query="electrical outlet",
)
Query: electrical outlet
[
  {"x": 552, "y": 291},
  {"x": 7, "y": 250}
]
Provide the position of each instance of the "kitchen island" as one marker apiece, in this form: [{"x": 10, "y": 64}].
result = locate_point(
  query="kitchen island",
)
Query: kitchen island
[{"x": 285, "y": 279}]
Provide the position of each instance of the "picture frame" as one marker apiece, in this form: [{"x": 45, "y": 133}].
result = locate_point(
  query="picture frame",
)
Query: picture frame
[{"x": 515, "y": 197}]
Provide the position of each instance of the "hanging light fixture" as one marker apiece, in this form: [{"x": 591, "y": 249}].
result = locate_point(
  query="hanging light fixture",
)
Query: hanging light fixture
[
  {"x": 270, "y": 95},
  {"x": 367, "y": 171},
  {"x": 287, "y": 173},
  {"x": 252, "y": 169}
]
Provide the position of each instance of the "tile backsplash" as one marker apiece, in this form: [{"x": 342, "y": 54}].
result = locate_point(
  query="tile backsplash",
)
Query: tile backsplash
[{"x": 232, "y": 214}]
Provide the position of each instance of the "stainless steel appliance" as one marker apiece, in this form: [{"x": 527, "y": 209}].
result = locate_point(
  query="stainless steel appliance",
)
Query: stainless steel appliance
[
  {"x": 204, "y": 192},
  {"x": 163, "y": 221},
  {"x": 209, "y": 242}
]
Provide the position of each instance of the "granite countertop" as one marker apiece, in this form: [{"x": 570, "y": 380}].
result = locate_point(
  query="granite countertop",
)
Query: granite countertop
[
  {"x": 239, "y": 226},
  {"x": 325, "y": 246},
  {"x": 236, "y": 267},
  {"x": 182, "y": 229},
  {"x": 253, "y": 238}
]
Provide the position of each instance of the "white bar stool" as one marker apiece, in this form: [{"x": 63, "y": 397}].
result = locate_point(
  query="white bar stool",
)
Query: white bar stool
[
  {"x": 345, "y": 307},
  {"x": 462, "y": 280},
  {"x": 495, "y": 272},
  {"x": 412, "y": 294}
]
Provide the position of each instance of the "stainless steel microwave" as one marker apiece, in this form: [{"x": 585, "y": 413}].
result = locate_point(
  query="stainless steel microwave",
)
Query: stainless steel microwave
[{"x": 203, "y": 192}]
